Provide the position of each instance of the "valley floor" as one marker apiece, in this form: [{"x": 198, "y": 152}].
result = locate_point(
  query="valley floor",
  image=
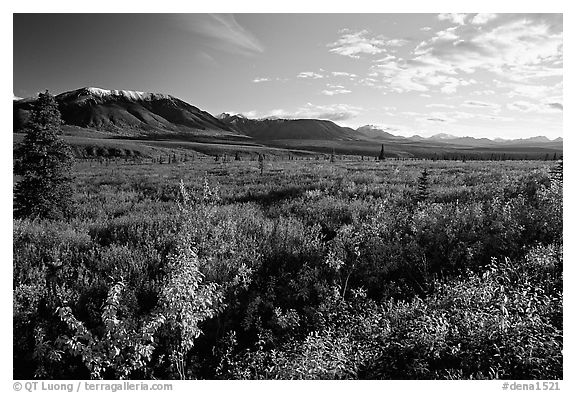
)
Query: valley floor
[
  {"x": 294, "y": 269},
  {"x": 89, "y": 143}
]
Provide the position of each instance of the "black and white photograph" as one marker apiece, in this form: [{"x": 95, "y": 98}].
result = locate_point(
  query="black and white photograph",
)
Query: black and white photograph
[{"x": 287, "y": 196}]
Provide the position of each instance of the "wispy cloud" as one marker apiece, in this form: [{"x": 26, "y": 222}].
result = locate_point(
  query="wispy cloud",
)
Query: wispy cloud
[
  {"x": 369, "y": 82},
  {"x": 485, "y": 92},
  {"x": 460, "y": 115},
  {"x": 480, "y": 19},
  {"x": 329, "y": 112},
  {"x": 309, "y": 75},
  {"x": 533, "y": 91},
  {"x": 523, "y": 49},
  {"x": 222, "y": 31},
  {"x": 261, "y": 80},
  {"x": 397, "y": 42},
  {"x": 356, "y": 43},
  {"x": 415, "y": 75},
  {"x": 333, "y": 90},
  {"x": 455, "y": 117},
  {"x": 515, "y": 46},
  {"x": 207, "y": 59},
  {"x": 439, "y": 106},
  {"x": 334, "y": 112},
  {"x": 268, "y": 79},
  {"x": 344, "y": 74},
  {"x": 480, "y": 104},
  {"x": 454, "y": 18},
  {"x": 543, "y": 108}
]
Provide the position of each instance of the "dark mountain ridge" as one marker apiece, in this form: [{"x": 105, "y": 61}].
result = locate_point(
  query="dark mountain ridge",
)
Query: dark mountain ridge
[
  {"x": 275, "y": 129},
  {"x": 125, "y": 112}
]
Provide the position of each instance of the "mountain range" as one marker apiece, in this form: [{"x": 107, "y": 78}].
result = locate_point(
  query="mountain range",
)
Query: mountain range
[
  {"x": 274, "y": 129},
  {"x": 126, "y": 113},
  {"x": 378, "y": 133}
]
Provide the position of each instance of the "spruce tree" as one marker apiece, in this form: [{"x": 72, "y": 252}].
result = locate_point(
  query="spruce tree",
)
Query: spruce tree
[
  {"x": 423, "y": 186},
  {"x": 557, "y": 172},
  {"x": 381, "y": 156},
  {"x": 261, "y": 163},
  {"x": 44, "y": 163}
]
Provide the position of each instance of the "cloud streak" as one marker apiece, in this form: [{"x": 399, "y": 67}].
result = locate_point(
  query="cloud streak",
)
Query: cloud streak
[
  {"x": 221, "y": 31},
  {"x": 542, "y": 108},
  {"x": 309, "y": 75},
  {"x": 480, "y": 104},
  {"x": 333, "y": 90}
]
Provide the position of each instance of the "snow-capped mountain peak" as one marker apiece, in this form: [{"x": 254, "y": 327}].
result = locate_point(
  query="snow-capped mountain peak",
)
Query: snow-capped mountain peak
[
  {"x": 442, "y": 136},
  {"x": 125, "y": 94}
]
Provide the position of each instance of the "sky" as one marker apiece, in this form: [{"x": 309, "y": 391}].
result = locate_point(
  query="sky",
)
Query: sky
[{"x": 480, "y": 75}]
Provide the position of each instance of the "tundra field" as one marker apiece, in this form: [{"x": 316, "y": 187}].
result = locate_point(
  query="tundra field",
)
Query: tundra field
[{"x": 294, "y": 269}]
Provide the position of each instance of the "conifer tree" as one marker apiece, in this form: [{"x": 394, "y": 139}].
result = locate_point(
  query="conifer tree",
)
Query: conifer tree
[
  {"x": 423, "y": 186},
  {"x": 44, "y": 163},
  {"x": 261, "y": 163},
  {"x": 381, "y": 155},
  {"x": 556, "y": 172}
]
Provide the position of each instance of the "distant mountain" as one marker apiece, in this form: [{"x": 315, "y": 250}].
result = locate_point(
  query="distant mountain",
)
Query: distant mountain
[
  {"x": 535, "y": 139},
  {"x": 133, "y": 113},
  {"x": 274, "y": 128},
  {"x": 532, "y": 141},
  {"x": 375, "y": 132},
  {"x": 442, "y": 137},
  {"x": 469, "y": 141},
  {"x": 126, "y": 112},
  {"x": 228, "y": 118}
]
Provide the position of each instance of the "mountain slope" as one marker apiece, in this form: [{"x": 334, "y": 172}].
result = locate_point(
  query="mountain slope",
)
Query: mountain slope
[
  {"x": 126, "y": 112},
  {"x": 448, "y": 140},
  {"x": 131, "y": 114},
  {"x": 275, "y": 129},
  {"x": 375, "y": 132}
]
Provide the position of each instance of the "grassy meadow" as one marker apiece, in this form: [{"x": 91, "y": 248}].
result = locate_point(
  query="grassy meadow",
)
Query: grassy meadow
[{"x": 302, "y": 269}]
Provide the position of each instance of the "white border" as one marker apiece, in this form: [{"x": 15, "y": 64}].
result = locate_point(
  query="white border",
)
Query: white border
[{"x": 249, "y": 6}]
